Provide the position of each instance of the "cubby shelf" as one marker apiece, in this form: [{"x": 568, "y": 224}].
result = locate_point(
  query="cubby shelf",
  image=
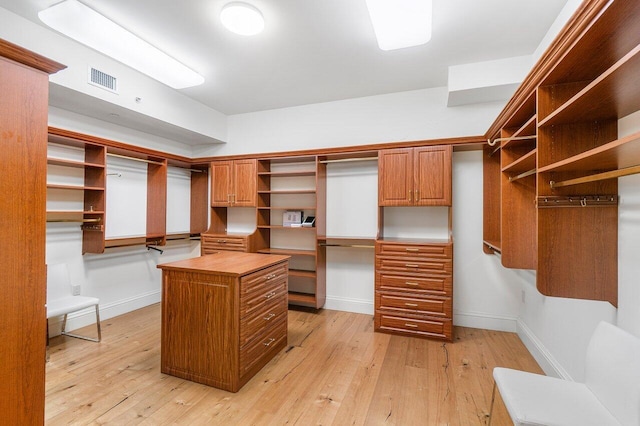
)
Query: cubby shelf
[
  {"x": 74, "y": 187},
  {"x": 291, "y": 191},
  {"x": 525, "y": 163},
  {"x": 288, "y": 174},
  {"x": 72, "y": 163},
  {"x": 298, "y": 298}
]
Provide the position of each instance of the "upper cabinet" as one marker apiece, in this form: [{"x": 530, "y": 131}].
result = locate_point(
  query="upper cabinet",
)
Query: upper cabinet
[
  {"x": 415, "y": 176},
  {"x": 234, "y": 183}
]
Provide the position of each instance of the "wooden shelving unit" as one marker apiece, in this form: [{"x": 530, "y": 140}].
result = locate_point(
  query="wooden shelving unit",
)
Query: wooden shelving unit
[
  {"x": 578, "y": 98},
  {"x": 291, "y": 184}
]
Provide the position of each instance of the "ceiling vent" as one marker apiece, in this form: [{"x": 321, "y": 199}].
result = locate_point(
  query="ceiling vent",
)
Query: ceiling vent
[{"x": 102, "y": 79}]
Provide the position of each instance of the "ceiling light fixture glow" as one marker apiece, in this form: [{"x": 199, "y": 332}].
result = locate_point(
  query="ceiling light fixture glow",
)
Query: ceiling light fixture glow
[
  {"x": 401, "y": 23},
  {"x": 242, "y": 18},
  {"x": 88, "y": 27}
]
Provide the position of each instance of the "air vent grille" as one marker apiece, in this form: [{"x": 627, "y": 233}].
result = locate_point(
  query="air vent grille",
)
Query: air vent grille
[{"x": 103, "y": 80}]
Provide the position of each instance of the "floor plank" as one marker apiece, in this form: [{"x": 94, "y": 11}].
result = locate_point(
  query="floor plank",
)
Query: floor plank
[{"x": 334, "y": 371}]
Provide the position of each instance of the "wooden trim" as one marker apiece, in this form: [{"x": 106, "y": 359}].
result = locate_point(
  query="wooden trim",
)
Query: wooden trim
[
  {"x": 465, "y": 143},
  {"x": 571, "y": 32},
  {"x": 29, "y": 58}
]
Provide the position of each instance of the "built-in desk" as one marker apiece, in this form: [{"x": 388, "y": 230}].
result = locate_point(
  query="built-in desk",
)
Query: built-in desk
[{"x": 224, "y": 316}]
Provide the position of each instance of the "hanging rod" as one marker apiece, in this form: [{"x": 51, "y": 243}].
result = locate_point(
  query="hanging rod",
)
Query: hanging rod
[
  {"x": 598, "y": 176},
  {"x": 348, "y": 160},
  {"x": 75, "y": 220},
  {"x": 111, "y": 154},
  {"x": 522, "y": 175},
  {"x": 346, "y": 245},
  {"x": 496, "y": 149},
  {"x": 550, "y": 201},
  {"x": 517, "y": 138}
]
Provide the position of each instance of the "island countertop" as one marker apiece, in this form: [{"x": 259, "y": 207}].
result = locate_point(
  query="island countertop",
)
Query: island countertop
[{"x": 225, "y": 263}]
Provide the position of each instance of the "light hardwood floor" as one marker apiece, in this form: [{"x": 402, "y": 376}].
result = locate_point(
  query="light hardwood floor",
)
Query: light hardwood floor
[{"x": 334, "y": 371}]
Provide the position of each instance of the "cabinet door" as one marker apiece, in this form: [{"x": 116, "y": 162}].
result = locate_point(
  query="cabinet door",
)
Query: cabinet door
[
  {"x": 245, "y": 183},
  {"x": 221, "y": 183},
  {"x": 432, "y": 169},
  {"x": 395, "y": 177}
]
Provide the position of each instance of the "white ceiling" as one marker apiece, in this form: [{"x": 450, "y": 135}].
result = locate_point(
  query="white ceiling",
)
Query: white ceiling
[{"x": 319, "y": 50}]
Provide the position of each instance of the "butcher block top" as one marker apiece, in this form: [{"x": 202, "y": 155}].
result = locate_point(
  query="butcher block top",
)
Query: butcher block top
[{"x": 226, "y": 263}]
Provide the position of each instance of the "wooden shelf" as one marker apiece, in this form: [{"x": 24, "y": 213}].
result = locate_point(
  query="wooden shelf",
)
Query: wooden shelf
[
  {"x": 522, "y": 164},
  {"x": 301, "y": 298},
  {"x": 74, "y": 187},
  {"x": 288, "y": 208},
  {"x": 288, "y": 252},
  {"x": 614, "y": 94},
  {"x": 73, "y": 163},
  {"x": 527, "y": 129},
  {"x": 617, "y": 154},
  {"x": 293, "y": 191},
  {"x": 493, "y": 245},
  {"x": 289, "y": 174}
]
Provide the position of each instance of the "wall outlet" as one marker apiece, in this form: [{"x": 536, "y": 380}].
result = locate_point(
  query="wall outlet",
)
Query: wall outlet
[{"x": 75, "y": 290}]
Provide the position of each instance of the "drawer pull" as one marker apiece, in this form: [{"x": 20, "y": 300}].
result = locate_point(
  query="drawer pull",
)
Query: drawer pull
[
  {"x": 268, "y": 317},
  {"x": 269, "y": 295},
  {"x": 413, "y": 305},
  {"x": 269, "y": 342},
  {"x": 271, "y": 276},
  {"x": 410, "y": 325},
  {"x": 411, "y": 283},
  {"x": 222, "y": 241},
  {"x": 412, "y": 249},
  {"x": 412, "y": 265}
]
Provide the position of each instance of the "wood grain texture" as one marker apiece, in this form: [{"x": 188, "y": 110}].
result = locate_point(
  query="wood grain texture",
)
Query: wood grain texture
[
  {"x": 491, "y": 196},
  {"x": 26, "y": 57},
  {"x": 432, "y": 175},
  {"x": 23, "y": 168},
  {"x": 199, "y": 202},
  {"x": 221, "y": 183},
  {"x": 157, "y": 199},
  {"x": 395, "y": 177},
  {"x": 334, "y": 371},
  {"x": 225, "y": 263},
  {"x": 245, "y": 183}
]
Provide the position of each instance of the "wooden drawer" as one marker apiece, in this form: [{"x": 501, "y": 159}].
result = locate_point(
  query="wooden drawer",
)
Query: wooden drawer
[
  {"x": 438, "y": 307},
  {"x": 274, "y": 294},
  {"x": 438, "y": 251},
  {"x": 261, "y": 281},
  {"x": 271, "y": 339},
  {"x": 213, "y": 243},
  {"x": 440, "y": 285},
  {"x": 260, "y": 319},
  {"x": 425, "y": 327},
  {"x": 413, "y": 267}
]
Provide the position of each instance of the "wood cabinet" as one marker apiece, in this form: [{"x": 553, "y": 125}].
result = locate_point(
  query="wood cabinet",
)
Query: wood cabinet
[
  {"x": 24, "y": 88},
  {"x": 414, "y": 288},
  {"x": 559, "y": 189},
  {"x": 233, "y": 183},
  {"x": 415, "y": 176},
  {"x": 224, "y": 316}
]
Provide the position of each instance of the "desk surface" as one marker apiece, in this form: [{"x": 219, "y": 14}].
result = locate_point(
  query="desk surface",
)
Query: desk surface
[{"x": 226, "y": 263}]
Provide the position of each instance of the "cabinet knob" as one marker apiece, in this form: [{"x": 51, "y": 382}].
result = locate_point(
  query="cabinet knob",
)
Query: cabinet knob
[
  {"x": 410, "y": 199},
  {"x": 270, "y": 295}
]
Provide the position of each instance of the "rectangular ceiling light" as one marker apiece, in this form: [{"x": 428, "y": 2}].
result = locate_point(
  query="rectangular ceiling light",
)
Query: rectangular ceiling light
[
  {"x": 400, "y": 23},
  {"x": 87, "y": 26}
]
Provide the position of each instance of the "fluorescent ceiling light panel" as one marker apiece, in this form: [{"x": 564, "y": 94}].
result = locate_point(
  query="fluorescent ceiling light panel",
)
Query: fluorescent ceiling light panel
[
  {"x": 87, "y": 26},
  {"x": 242, "y": 18},
  {"x": 400, "y": 23}
]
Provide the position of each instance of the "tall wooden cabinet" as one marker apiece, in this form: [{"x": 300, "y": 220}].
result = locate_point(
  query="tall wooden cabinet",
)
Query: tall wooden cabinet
[
  {"x": 561, "y": 155},
  {"x": 24, "y": 88}
]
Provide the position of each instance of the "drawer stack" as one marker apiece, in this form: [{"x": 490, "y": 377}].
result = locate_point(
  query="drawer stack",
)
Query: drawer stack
[
  {"x": 263, "y": 317},
  {"x": 211, "y": 243},
  {"x": 414, "y": 289}
]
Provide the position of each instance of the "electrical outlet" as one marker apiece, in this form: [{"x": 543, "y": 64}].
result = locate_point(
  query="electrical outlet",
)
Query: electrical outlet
[{"x": 75, "y": 290}]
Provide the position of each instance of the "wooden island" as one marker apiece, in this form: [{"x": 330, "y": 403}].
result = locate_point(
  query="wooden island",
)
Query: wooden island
[{"x": 224, "y": 316}]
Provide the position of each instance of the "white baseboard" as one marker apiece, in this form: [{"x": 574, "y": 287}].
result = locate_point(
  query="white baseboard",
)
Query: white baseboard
[
  {"x": 485, "y": 321},
  {"x": 86, "y": 317},
  {"x": 358, "y": 306},
  {"x": 543, "y": 357}
]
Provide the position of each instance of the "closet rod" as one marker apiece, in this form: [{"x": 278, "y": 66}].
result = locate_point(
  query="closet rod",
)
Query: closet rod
[
  {"x": 75, "y": 220},
  {"x": 346, "y": 245},
  {"x": 522, "y": 175},
  {"x": 517, "y": 138},
  {"x": 348, "y": 160},
  {"x": 496, "y": 149},
  {"x": 110, "y": 154},
  {"x": 596, "y": 177}
]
